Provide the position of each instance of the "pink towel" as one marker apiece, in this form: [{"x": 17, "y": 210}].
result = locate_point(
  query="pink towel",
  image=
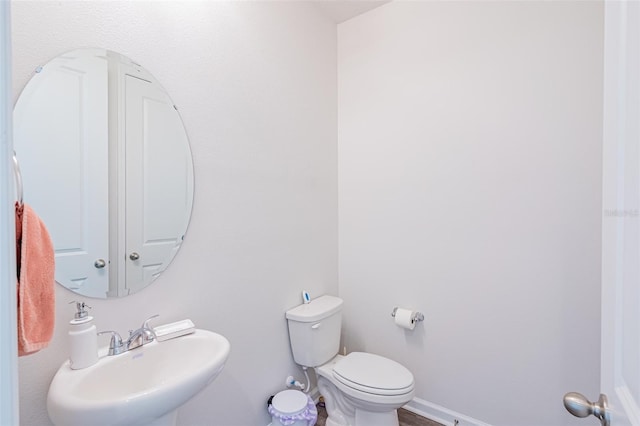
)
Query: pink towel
[{"x": 36, "y": 282}]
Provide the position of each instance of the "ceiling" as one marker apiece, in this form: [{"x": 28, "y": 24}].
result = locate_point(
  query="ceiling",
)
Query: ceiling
[{"x": 340, "y": 10}]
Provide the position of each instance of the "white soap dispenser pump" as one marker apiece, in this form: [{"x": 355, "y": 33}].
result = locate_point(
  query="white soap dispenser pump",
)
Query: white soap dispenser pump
[{"x": 83, "y": 338}]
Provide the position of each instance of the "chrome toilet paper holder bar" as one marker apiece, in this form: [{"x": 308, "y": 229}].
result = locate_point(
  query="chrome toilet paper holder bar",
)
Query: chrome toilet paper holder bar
[{"x": 415, "y": 316}]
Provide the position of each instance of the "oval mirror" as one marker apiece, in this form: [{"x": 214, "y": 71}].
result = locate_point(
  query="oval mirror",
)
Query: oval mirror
[{"x": 106, "y": 164}]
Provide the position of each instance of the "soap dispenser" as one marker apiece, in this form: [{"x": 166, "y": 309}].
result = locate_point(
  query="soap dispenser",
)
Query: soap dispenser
[{"x": 83, "y": 337}]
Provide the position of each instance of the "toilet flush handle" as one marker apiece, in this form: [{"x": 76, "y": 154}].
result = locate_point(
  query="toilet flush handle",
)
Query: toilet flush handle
[{"x": 316, "y": 326}]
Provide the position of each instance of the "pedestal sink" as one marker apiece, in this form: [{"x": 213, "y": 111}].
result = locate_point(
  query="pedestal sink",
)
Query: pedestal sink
[{"x": 144, "y": 386}]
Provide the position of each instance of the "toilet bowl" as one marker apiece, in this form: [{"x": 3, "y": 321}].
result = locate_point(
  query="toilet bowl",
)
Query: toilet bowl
[
  {"x": 364, "y": 389},
  {"x": 359, "y": 389}
]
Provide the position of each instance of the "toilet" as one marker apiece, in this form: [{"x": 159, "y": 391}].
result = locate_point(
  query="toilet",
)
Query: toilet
[{"x": 359, "y": 389}]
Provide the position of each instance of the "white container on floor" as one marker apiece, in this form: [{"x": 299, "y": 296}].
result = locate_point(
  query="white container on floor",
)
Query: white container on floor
[{"x": 288, "y": 404}]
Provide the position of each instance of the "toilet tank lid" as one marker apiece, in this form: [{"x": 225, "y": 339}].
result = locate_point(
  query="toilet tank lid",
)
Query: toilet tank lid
[{"x": 319, "y": 308}]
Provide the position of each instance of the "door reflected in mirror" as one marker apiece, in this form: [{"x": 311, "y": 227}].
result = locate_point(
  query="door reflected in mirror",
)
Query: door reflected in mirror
[{"x": 106, "y": 164}]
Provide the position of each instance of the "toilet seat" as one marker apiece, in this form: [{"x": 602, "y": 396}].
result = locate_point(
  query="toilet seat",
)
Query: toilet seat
[{"x": 373, "y": 374}]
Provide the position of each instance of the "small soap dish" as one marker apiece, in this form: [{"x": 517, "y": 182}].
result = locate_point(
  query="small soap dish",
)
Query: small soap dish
[{"x": 174, "y": 329}]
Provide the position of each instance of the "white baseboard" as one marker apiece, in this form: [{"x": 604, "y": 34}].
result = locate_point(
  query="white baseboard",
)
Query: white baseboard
[{"x": 440, "y": 414}]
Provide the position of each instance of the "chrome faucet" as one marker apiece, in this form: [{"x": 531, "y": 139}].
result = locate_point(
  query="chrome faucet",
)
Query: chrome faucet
[
  {"x": 141, "y": 336},
  {"x": 137, "y": 338},
  {"x": 116, "y": 347}
]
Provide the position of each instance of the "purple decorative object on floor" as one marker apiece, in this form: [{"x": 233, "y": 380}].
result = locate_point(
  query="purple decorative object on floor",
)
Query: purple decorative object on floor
[{"x": 307, "y": 414}]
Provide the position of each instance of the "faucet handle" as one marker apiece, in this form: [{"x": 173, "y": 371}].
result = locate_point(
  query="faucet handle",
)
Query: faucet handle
[
  {"x": 148, "y": 334},
  {"x": 145, "y": 324},
  {"x": 115, "y": 345}
]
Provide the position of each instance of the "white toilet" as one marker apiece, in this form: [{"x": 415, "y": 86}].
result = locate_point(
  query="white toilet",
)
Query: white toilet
[{"x": 359, "y": 389}]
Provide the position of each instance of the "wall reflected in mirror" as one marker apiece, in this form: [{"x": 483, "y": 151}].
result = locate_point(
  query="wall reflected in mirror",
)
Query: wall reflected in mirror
[{"x": 107, "y": 165}]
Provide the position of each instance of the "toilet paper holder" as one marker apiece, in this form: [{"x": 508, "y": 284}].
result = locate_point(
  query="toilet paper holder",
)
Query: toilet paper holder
[{"x": 415, "y": 316}]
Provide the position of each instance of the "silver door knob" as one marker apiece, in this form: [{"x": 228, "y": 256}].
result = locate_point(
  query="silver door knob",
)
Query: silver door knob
[
  {"x": 100, "y": 263},
  {"x": 134, "y": 256},
  {"x": 578, "y": 405}
]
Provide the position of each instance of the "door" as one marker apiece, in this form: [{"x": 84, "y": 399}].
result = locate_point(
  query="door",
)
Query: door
[
  {"x": 9, "y": 396},
  {"x": 60, "y": 137},
  {"x": 620, "y": 364},
  {"x": 157, "y": 181},
  {"x": 620, "y": 332}
]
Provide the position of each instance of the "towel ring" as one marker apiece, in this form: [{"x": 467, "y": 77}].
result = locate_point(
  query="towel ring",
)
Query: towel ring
[{"x": 16, "y": 172}]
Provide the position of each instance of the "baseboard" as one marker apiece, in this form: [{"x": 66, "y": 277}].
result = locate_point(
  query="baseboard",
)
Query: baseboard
[{"x": 440, "y": 414}]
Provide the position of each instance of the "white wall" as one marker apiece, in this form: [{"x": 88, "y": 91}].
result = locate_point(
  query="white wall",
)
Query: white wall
[
  {"x": 469, "y": 188},
  {"x": 256, "y": 87}
]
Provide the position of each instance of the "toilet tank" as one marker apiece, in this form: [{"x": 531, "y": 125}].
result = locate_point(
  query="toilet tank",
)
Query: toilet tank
[{"x": 314, "y": 330}]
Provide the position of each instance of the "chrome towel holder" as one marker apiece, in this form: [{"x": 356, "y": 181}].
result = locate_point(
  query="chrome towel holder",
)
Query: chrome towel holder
[{"x": 18, "y": 175}]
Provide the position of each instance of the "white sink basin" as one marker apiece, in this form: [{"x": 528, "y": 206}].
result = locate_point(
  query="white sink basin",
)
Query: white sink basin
[{"x": 143, "y": 386}]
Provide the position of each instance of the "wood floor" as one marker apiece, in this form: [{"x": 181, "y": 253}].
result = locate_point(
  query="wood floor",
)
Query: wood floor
[{"x": 407, "y": 418}]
